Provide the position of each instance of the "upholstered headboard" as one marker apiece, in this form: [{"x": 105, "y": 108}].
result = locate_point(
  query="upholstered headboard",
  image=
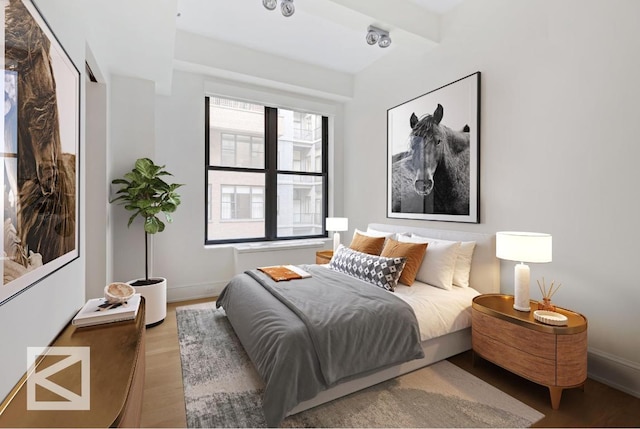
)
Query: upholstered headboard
[{"x": 485, "y": 267}]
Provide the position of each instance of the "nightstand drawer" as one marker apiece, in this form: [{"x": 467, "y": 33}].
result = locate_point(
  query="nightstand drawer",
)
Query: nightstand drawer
[
  {"x": 523, "y": 363},
  {"x": 540, "y": 344}
]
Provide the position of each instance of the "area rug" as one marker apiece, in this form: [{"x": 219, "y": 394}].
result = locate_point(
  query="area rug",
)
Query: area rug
[{"x": 223, "y": 389}]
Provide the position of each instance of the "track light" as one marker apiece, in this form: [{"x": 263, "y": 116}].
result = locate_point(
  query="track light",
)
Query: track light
[
  {"x": 270, "y": 4},
  {"x": 286, "y": 6},
  {"x": 372, "y": 36},
  {"x": 385, "y": 41},
  {"x": 379, "y": 36}
]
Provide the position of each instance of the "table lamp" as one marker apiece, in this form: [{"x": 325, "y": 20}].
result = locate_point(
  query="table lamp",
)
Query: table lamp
[
  {"x": 523, "y": 247},
  {"x": 336, "y": 224}
]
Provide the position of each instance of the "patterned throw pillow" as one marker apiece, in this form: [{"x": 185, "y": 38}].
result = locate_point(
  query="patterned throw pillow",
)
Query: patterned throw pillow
[{"x": 377, "y": 270}]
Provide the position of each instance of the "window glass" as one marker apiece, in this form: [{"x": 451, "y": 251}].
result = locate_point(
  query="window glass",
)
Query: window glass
[
  {"x": 236, "y": 133},
  {"x": 236, "y": 205},
  {"x": 300, "y": 205},
  {"x": 299, "y": 141}
]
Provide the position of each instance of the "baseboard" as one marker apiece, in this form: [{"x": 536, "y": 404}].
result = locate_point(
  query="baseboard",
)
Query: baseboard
[
  {"x": 613, "y": 371},
  {"x": 194, "y": 291}
]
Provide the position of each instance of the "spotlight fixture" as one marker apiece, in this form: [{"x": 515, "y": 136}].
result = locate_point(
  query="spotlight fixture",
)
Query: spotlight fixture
[
  {"x": 286, "y": 6},
  {"x": 379, "y": 36},
  {"x": 372, "y": 36},
  {"x": 270, "y": 4}
]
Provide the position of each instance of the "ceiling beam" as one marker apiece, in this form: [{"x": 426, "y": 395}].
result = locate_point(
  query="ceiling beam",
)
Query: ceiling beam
[{"x": 211, "y": 57}]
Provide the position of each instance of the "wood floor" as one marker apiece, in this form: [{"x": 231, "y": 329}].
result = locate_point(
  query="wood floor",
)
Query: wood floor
[
  {"x": 597, "y": 406},
  {"x": 163, "y": 404}
]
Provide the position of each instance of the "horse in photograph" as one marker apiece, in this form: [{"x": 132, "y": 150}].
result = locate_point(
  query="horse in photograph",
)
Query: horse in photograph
[
  {"x": 436, "y": 165},
  {"x": 46, "y": 176}
]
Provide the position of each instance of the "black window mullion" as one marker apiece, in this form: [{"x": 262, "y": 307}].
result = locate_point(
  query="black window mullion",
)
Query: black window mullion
[
  {"x": 325, "y": 173},
  {"x": 271, "y": 167},
  {"x": 206, "y": 168}
]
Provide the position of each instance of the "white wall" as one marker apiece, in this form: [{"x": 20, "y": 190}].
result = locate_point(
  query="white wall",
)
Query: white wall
[
  {"x": 35, "y": 317},
  {"x": 132, "y": 113},
  {"x": 179, "y": 253},
  {"x": 559, "y": 108}
]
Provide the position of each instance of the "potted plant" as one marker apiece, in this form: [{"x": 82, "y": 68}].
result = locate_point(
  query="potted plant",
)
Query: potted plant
[{"x": 146, "y": 194}]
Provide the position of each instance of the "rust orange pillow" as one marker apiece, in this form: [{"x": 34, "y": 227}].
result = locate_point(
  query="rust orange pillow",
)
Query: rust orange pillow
[
  {"x": 413, "y": 252},
  {"x": 367, "y": 244}
]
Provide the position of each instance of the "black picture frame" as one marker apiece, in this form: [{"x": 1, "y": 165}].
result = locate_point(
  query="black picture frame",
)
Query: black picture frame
[
  {"x": 41, "y": 151},
  {"x": 433, "y": 154}
]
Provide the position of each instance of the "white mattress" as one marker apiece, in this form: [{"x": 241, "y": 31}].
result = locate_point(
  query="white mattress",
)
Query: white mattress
[{"x": 438, "y": 311}]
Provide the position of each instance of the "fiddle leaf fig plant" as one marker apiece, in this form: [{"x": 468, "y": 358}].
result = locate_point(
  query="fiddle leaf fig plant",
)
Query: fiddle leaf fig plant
[{"x": 146, "y": 194}]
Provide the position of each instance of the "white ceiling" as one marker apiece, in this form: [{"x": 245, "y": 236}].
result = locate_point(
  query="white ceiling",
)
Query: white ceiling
[
  {"x": 438, "y": 6},
  {"x": 327, "y": 33}
]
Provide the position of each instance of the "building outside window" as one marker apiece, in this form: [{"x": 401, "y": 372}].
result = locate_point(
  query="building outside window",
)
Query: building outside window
[
  {"x": 250, "y": 198},
  {"x": 242, "y": 202}
]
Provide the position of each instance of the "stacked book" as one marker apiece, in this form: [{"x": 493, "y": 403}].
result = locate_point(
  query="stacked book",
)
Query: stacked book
[{"x": 98, "y": 311}]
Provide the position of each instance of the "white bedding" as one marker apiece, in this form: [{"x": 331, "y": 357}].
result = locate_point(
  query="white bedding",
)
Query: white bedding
[{"x": 438, "y": 311}]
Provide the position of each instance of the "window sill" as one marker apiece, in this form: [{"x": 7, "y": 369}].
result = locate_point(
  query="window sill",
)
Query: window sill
[{"x": 270, "y": 246}]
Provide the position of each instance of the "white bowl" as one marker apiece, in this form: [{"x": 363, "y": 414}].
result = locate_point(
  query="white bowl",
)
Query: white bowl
[
  {"x": 118, "y": 292},
  {"x": 550, "y": 317}
]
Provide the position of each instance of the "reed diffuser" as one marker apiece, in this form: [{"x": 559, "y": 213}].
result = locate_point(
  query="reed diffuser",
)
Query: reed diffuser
[{"x": 546, "y": 295}]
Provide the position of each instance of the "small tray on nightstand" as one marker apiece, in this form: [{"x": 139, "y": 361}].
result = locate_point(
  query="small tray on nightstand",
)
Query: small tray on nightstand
[{"x": 550, "y": 318}]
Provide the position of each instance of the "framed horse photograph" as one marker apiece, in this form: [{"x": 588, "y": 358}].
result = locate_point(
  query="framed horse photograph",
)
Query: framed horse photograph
[
  {"x": 433, "y": 154},
  {"x": 40, "y": 154}
]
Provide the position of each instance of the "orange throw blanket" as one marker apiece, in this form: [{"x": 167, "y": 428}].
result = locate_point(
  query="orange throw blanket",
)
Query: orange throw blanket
[{"x": 280, "y": 272}]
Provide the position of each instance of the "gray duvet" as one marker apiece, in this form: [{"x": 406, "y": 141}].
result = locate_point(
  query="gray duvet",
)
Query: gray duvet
[{"x": 306, "y": 335}]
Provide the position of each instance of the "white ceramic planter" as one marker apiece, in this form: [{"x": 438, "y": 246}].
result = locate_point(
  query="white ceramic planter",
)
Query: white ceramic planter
[{"x": 155, "y": 296}]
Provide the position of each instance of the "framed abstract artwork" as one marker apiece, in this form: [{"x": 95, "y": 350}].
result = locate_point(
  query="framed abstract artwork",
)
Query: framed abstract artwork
[
  {"x": 40, "y": 153},
  {"x": 433, "y": 154}
]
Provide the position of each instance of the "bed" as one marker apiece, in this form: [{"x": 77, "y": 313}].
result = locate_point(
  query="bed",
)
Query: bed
[{"x": 304, "y": 362}]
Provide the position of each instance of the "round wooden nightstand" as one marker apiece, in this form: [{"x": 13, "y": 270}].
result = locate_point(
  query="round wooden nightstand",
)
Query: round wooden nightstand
[{"x": 554, "y": 356}]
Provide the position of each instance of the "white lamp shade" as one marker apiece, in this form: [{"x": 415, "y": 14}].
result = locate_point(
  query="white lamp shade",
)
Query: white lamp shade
[
  {"x": 337, "y": 224},
  {"x": 532, "y": 247}
]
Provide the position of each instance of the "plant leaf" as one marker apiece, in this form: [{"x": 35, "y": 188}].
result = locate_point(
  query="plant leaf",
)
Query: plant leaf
[
  {"x": 146, "y": 194},
  {"x": 131, "y": 219},
  {"x": 152, "y": 225}
]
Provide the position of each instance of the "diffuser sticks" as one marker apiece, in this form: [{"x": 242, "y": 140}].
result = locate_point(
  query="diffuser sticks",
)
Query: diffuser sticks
[{"x": 546, "y": 295}]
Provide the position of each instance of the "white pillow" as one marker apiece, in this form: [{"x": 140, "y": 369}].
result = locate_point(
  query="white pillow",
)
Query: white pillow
[
  {"x": 438, "y": 264},
  {"x": 373, "y": 233},
  {"x": 463, "y": 260},
  {"x": 463, "y": 263}
]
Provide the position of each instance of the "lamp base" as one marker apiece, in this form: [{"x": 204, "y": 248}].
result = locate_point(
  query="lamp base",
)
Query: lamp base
[
  {"x": 527, "y": 309},
  {"x": 336, "y": 241},
  {"x": 521, "y": 288}
]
